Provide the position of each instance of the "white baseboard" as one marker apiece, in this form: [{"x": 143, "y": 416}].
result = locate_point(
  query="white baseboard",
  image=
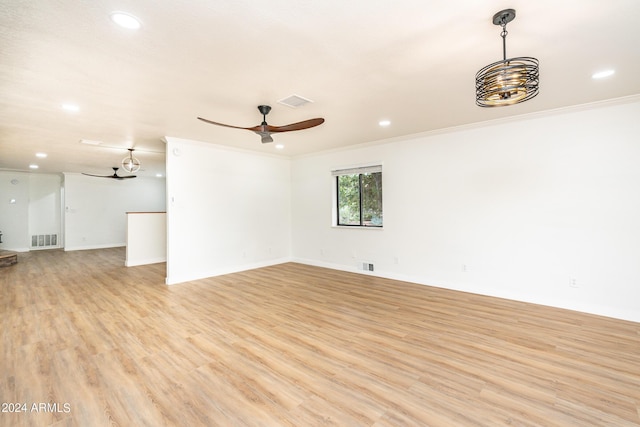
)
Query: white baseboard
[
  {"x": 15, "y": 249},
  {"x": 89, "y": 247},
  {"x": 590, "y": 308},
  {"x": 145, "y": 261}
]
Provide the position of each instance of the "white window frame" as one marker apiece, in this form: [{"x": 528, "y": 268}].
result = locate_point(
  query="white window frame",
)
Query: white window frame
[{"x": 370, "y": 168}]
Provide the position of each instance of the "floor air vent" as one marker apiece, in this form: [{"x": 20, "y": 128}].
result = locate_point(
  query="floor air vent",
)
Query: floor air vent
[{"x": 44, "y": 240}]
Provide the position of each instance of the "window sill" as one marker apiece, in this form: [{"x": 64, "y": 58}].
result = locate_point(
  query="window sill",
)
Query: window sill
[{"x": 356, "y": 227}]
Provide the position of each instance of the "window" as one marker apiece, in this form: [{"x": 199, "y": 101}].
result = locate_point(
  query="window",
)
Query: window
[{"x": 359, "y": 196}]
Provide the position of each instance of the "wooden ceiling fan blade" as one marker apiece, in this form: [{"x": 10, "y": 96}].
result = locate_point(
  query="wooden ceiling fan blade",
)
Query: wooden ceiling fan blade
[
  {"x": 264, "y": 129},
  {"x": 259, "y": 129},
  {"x": 114, "y": 176},
  {"x": 98, "y": 176},
  {"x": 306, "y": 124},
  {"x": 227, "y": 126},
  {"x": 110, "y": 176}
]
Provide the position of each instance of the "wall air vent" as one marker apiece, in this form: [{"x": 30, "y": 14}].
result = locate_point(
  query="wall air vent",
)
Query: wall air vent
[
  {"x": 294, "y": 101},
  {"x": 44, "y": 240},
  {"x": 365, "y": 266}
]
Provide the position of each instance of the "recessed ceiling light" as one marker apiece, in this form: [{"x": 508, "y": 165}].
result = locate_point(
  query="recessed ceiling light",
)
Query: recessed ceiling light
[
  {"x": 279, "y": 146},
  {"x": 125, "y": 20},
  {"x": 72, "y": 108},
  {"x": 41, "y": 155},
  {"x": 603, "y": 74},
  {"x": 33, "y": 166},
  {"x": 384, "y": 123},
  {"x": 158, "y": 175}
]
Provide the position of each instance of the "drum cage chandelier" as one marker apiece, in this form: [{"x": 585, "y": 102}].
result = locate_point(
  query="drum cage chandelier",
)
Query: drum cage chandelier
[{"x": 509, "y": 81}]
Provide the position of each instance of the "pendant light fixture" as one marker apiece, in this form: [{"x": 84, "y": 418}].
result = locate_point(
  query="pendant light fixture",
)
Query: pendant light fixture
[
  {"x": 509, "y": 81},
  {"x": 130, "y": 164}
]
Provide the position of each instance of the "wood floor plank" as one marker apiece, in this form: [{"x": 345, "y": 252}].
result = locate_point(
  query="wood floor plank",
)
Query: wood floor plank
[{"x": 295, "y": 345}]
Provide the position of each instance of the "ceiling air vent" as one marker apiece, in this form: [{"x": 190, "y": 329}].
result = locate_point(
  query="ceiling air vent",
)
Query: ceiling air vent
[
  {"x": 90, "y": 142},
  {"x": 294, "y": 101}
]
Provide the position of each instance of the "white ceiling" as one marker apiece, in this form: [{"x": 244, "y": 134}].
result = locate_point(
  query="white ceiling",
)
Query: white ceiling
[{"x": 409, "y": 61}]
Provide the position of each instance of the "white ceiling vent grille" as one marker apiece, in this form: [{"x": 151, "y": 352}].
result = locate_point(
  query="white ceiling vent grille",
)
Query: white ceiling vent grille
[
  {"x": 294, "y": 101},
  {"x": 90, "y": 142}
]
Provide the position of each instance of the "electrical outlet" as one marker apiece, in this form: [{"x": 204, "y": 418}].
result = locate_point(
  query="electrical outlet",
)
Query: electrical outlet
[
  {"x": 573, "y": 282},
  {"x": 464, "y": 268}
]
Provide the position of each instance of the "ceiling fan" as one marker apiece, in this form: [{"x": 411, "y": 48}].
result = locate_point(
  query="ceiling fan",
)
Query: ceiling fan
[
  {"x": 265, "y": 130},
  {"x": 114, "y": 176}
]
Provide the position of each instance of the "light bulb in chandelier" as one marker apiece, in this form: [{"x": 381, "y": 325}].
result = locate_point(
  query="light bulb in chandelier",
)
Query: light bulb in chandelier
[{"x": 130, "y": 164}]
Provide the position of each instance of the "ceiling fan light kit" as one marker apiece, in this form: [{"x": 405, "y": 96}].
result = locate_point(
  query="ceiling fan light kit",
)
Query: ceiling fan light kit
[
  {"x": 265, "y": 130},
  {"x": 509, "y": 81}
]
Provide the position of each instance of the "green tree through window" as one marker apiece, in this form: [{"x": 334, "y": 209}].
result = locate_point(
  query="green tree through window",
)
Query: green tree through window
[{"x": 359, "y": 197}]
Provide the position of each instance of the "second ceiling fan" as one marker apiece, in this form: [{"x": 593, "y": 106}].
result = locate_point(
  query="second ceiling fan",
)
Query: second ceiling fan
[{"x": 265, "y": 130}]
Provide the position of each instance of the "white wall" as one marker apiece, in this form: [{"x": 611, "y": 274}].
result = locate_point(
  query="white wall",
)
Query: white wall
[
  {"x": 95, "y": 208},
  {"x": 228, "y": 210},
  {"x": 528, "y": 207},
  {"x": 44, "y": 206},
  {"x": 14, "y": 217},
  {"x": 146, "y": 238}
]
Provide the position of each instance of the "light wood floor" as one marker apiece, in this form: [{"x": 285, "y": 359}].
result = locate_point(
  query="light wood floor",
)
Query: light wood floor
[{"x": 294, "y": 345}]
